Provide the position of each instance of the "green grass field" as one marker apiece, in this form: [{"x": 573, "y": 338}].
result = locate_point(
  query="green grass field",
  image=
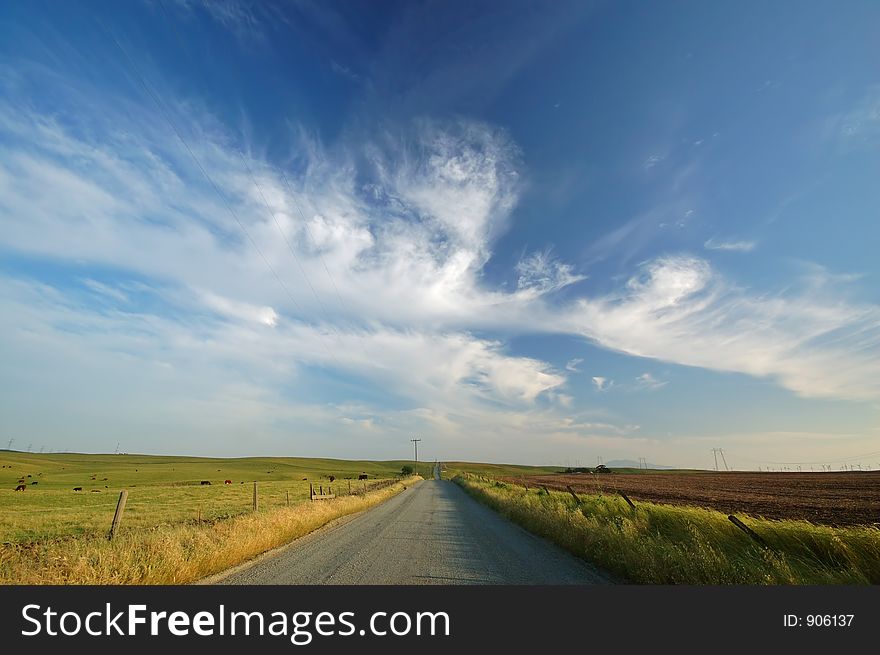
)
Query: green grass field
[
  {"x": 667, "y": 544},
  {"x": 162, "y": 490}
]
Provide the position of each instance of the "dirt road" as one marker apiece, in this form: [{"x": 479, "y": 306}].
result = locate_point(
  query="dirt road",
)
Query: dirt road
[{"x": 432, "y": 533}]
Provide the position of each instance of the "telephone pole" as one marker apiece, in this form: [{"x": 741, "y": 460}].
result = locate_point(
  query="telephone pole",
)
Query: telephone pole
[{"x": 415, "y": 443}]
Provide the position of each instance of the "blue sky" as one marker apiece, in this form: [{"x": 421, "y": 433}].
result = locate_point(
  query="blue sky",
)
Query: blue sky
[{"x": 525, "y": 232}]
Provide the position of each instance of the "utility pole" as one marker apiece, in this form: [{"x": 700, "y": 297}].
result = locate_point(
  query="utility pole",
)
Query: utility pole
[
  {"x": 9, "y": 445},
  {"x": 715, "y": 455},
  {"x": 415, "y": 443},
  {"x": 723, "y": 459}
]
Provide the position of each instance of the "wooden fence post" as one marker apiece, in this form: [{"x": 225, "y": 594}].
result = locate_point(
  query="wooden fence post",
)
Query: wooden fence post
[
  {"x": 626, "y": 498},
  {"x": 349, "y": 487},
  {"x": 288, "y": 498},
  {"x": 256, "y": 498},
  {"x": 117, "y": 517},
  {"x": 571, "y": 491},
  {"x": 754, "y": 535}
]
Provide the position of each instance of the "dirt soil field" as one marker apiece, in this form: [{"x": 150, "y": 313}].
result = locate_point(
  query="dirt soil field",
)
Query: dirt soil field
[{"x": 851, "y": 498}]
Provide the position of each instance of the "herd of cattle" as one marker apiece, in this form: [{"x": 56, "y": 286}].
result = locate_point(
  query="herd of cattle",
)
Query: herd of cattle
[{"x": 22, "y": 484}]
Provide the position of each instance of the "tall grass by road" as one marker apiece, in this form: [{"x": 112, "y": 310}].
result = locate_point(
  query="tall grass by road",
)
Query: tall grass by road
[
  {"x": 174, "y": 554},
  {"x": 665, "y": 544}
]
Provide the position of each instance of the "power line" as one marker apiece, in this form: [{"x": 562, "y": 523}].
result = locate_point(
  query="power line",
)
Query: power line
[
  {"x": 315, "y": 244},
  {"x": 342, "y": 304},
  {"x": 295, "y": 202},
  {"x": 201, "y": 168},
  {"x": 287, "y": 242},
  {"x": 853, "y": 458}
]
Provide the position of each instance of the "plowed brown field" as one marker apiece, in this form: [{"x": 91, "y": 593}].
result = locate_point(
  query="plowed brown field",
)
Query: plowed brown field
[{"x": 830, "y": 498}]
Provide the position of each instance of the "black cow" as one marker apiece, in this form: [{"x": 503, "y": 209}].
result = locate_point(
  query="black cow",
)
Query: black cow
[
  {"x": 362, "y": 476},
  {"x": 77, "y": 488},
  {"x": 204, "y": 482},
  {"x": 20, "y": 487}
]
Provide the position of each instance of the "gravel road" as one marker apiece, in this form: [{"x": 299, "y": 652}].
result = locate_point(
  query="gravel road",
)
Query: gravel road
[{"x": 432, "y": 533}]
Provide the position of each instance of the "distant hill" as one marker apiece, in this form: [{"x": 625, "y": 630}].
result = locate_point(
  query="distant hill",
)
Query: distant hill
[{"x": 631, "y": 464}]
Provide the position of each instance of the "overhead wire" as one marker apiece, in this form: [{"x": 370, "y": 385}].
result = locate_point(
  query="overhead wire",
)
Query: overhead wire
[
  {"x": 207, "y": 176},
  {"x": 293, "y": 196},
  {"x": 287, "y": 242},
  {"x": 308, "y": 230},
  {"x": 305, "y": 224}
]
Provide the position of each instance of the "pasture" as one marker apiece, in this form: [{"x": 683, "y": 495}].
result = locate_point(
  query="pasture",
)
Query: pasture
[{"x": 163, "y": 491}]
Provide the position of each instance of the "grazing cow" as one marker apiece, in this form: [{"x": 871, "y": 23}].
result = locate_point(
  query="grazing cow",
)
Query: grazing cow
[
  {"x": 20, "y": 480},
  {"x": 77, "y": 488},
  {"x": 29, "y": 475},
  {"x": 204, "y": 482},
  {"x": 20, "y": 487},
  {"x": 34, "y": 482},
  {"x": 96, "y": 491},
  {"x": 305, "y": 479},
  {"x": 103, "y": 479},
  {"x": 332, "y": 478},
  {"x": 227, "y": 482},
  {"x": 362, "y": 476}
]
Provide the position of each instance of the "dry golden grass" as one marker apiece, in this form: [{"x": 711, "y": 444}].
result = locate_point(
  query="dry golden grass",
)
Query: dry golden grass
[
  {"x": 672, "y": 544},
  {"x": 175, "y": 554}
]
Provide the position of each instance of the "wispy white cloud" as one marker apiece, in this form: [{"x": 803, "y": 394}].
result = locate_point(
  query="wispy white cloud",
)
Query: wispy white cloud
[
  {"x": 652, "y": 161},
  {"x": 106, "y": 290},
  {"x": 395, "y": 249},
  {"x": 602, "y": 383},
  {"x": 649, "y": 382},
  {"x": 540, "y": 273},
  {"x": 735, "y": 246},
  {"x": 679, "y": 310},
  {"x": 858, "y": 126},
  {"x": 572, "y": 365},
  {"x": 240, "y": 310}
]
